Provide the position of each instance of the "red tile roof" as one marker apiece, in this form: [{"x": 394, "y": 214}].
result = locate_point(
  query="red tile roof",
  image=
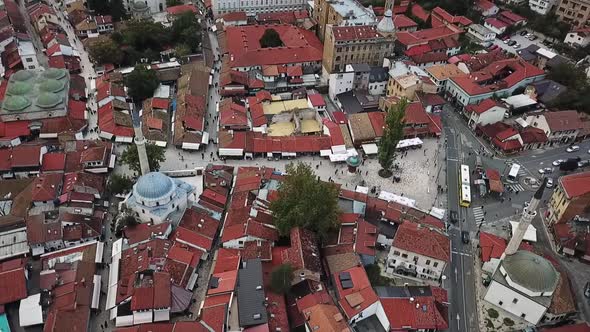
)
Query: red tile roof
[
  {"x": 235, "y": 16},
  {"x": 26, "y": 156},
  {"x": 420, "y": 13},
  {"x": 421, "y": 313},
  {"x": 483, "y": 106},
  {"x": 366, "y": 238},
  {"x": 462, "y": 20},
  {"x": 160, "y": 103},
  {"x": 215, "y": 317},
  {"x": 421, "y": 240},
  {"x": 299, "y": 46},
  {"x": 563, "y": 120},
  {"x": 55, "y": 161},
  {"x": 513, "y": 17},
  {"x": 530, "y": 135},
  {"x": 355, "y": 32},
  {"x": 226, "y": 282},
  {"x": 429, "y": 57},
  {"x": 177, "y": 10},
  {"x": 316, "y": 100},
  {"x": 492, "y": 246},
  {"x": 377, "y": 120},
  {"x": 13, "y": 285},
  {"x": 485, "y": 4},
  {"x": 401, "y": 21},
  {"x": 357, "y": 298},
  {"x": 581, "y": 327},
  {"x": 575, "y": 185},
  {"x": 46, "y": 187},
  {"x": 496, "y": 23},
  {"x": 304, "y": 252},
  {"x": 77, "y": 109},
  {"x": 423, "y": 36}
]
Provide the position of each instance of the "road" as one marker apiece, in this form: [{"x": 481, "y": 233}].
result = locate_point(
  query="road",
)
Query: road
[
  {"x": 463, "y": 306},
  {"x": 534, "y": 159}
]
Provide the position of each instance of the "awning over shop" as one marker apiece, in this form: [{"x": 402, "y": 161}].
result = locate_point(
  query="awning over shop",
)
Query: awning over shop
[{"x": 371, "y": 148}]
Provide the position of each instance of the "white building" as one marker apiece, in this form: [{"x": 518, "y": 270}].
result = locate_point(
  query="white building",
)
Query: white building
[
  {"x": 28, "y": 55},
  {"x": 560, "y": 127},
  {"x": 418, "y": 251},
  {"x": 486, "y": 112},
  {"x": 154, "y": 6},
  {"x": 253, "y": 7},
  {"x": 487, "y": 8},
  {"x": 542, "y": 7},
  {"x": 378, "y": 79},
  {"x": 523, "y": 285},
  {"x": 157, "y": 198},
  {"x": 578, "y": 37},
  {"x": 481, "y": 33},
  {"x": 339, "y": 83},
  {"x": 496, "y": 25}
]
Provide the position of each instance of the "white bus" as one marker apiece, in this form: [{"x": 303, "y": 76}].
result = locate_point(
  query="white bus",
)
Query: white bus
[
  {"x": 465, "y": 186},
  {"x": 513, "y": 174}
]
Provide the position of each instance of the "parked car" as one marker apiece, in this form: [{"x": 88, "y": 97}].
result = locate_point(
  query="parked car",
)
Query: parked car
[
  {"x": 508, "y": 41},
  {"x": 558, "y": 162},
  {"x": 533, "y": 38},
  {"x": 517, "y": 45},
  {"x": 573, "y": 148},
  {"x": 587, "y": 289},
  {"x": 453, "y": 216},
  {"x": 465, "y": 237},
  {"x": 546, "y": 170},
  {"x": 583, "y": 163},
  {"x": 493, "y": 47},
  {"x": 523, "y": 33},
  {"x": 512, "y": 42},
  {"x": 570, "y": 164},
  {"x": 549, "y": 183}
]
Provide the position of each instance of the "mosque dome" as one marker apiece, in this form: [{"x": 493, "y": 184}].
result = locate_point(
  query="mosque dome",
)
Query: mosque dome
[
  {"x": 19, "y": 88},
  {"x": 16, "y": 103},
  {"x": 54, "y": 73},
  {"x": 51, "y": 85},
  {"x": 386, "y": 24},
  {"x": 153, "y": 186},
  {"x": 531, "y": 271},
  {"x": 48, "y": 100},
  {"x": 139, "y": 6},
  {"x": 22, "y": 75}
]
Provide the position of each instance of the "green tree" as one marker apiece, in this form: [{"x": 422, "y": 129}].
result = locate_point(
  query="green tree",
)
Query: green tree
[
  {"x": 155, "y": 156},
  {"x": 182, "y": 50},
  {"x": 393, "y": 133},
  {"x": 304, "y": 201},
  {"x": 280, "y": 278},
  {"x": 170, "y": 3},
  {"x": 117, "y": 10},
  {"x": 144, "y": 34},
  {"x": 141, "y": 83},
  {"x": 271, "y": 38},
  {"x": 568, "y": 75},
  {"x": 106, "y": 51},
  {"x": 186, "y": 30},
  {"x": 119, "y": 184}
]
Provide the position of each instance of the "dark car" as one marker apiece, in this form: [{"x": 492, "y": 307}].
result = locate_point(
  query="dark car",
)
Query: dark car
[
  {"x": 569, "y": 165},
  {"x": 453, "y": 217},
  {"x": 523, "y": 33},
  {"x": 512, "y": 42},
  {"x": 465, "y": 237}
]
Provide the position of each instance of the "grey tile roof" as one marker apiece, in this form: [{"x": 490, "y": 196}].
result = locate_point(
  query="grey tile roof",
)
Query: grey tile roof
[{"x": 251, "y": 308}]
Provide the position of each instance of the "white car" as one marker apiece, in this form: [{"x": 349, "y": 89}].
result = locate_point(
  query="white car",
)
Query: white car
[
  {"x": 549, "y": 183},
  {"x": 546, "y": 170},
  {"x": 506, "y": 41},
  {"x": 558, "y": 162},
  {"x": 517, "y": 45},
  {"x": 572, "y": 148}
]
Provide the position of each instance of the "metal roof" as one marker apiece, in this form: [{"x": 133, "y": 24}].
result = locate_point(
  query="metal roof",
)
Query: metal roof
[{"x": 251, "y": 308}]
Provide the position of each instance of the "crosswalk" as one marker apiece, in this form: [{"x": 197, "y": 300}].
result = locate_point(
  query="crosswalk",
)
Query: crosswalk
[
  {"x": 514, "y": 187},
  {"x": 478, "y": 214}
]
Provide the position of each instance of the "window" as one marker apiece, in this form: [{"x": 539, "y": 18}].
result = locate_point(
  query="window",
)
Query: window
[
  {"x": 404, "y": 255},
  {"x": 500, "y": 303},
  {"x": 29, "y": 59},
  {"x": 435, "y": 264},
  {"x": 428, "y": 262},
  {"x": 396, "y": 253},
  {"x": 515, "y": 300},
  {"x": 523, "y": 316}
]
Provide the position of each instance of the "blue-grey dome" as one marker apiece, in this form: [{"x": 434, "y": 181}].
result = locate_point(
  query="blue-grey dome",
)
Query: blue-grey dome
[{"x": 153, "y": 186}]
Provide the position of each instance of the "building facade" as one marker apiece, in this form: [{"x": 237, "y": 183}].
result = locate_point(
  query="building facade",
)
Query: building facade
[
  {"x": 574, "y": 12},
  {"x": 253, "y": 7},
  {"x": 542, "y": 7},
  {"x": 578, "y": 37},
  {"x": 570, "y": 198},
  {"x": 345, "y": 12},
  {"x": 346, "y": 45}
]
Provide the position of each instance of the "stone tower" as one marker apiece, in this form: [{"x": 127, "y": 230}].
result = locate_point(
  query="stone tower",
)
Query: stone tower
[
  {"x": 528, "y": 214},
  {"x": 140, "y": 141}
]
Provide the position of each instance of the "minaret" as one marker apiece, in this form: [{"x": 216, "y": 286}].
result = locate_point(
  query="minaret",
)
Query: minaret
[
  {"x": 386, "y": 26},
  {"x": 389, "y": 5},
  {"x": 139, "y": 141},
  {"x": 528, "y": 214}
]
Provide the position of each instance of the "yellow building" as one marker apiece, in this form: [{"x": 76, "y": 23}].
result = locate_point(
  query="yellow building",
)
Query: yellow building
[{"x": 570, "y": 198}]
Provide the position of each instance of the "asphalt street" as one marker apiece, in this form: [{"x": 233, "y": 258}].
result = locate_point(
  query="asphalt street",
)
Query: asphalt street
[{"x": 463, "y": 314}]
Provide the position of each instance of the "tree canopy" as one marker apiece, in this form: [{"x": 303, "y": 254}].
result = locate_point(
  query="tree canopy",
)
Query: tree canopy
[
  {"x": 141, "y": 82},
  {"x": 392, "y": 134},
  {"x": 119, "y": 184},
  {"x": 280, "y": 278},
  {"x": 155, "y": 156},
  {"x": 304, "y": 201},
  {"x": 115, "y": 8},
  {"x": 577, "y": 95},
  {"x": 271, "y": 38},
  {"x": 105, "y": 51}
]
